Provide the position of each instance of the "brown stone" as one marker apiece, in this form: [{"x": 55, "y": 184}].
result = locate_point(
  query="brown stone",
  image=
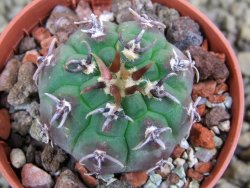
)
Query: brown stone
[
  {"x": 203, "y": 167},
  {"x": 135, "y": 179},
  {"x": 173, "y": 178},
  {"x": 45, "y": 43},
  {"x": 41, "y": 33},
  {"x": 204, "y": 45},
  {"x": 4, "y": 124},
  {"x": 31, "y": 56},
  {"x": 201, "y": 110},
  {"x": 177, "y": 152},
  {"x": 215, "y": 116},
  {"x": 90, "y": 181},
  {"x": 216, "y": 98},
  {"x": 204, "y": 89},
  {"x": 221, "y": 88},
  {"x": 201, "y": 136},
  {"x": 191, "y": 173},
  {"x": 32, "y": 176},
  {"x": 209, "y": 64}
]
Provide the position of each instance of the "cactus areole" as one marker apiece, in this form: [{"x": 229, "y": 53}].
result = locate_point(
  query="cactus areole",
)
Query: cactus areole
[{"x": 116, "y": 97}]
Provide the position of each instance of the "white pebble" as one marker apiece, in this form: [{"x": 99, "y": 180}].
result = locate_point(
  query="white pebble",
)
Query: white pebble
[
  {"x": 228, "y": 102},
  {"x": 180, "y": 183},
  {"x": 107, "y": 16},
  {"x": 194, "y": 184},
  {"x": 185, "y": 155},
  {"x": 224, "y": 126},
  {"x": 184, "y": 144},
  {"x": 180, "y": 171},
  {"x": 179, "y": 162},
  {"x": 17, "y": 158},
  {"x": 215, "y": 129},
  {"x": 212, "y": 105},
  {"x": 192, "y": 160},
  {"x": 218, "y": 141}
]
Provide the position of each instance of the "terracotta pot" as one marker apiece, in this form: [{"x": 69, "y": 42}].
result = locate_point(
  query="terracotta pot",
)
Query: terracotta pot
[{"x": 38, "y": 10}]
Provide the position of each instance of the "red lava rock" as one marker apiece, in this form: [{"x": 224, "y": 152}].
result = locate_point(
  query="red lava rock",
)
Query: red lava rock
[
  {"x": 32, "y": 176},
  {"x": 204, "y": 45},
  {"x": 4, "y": 124},
  {"x": 31, "y": 56},
  {"x": 135, "y": 179},
  {"x": 201, "y": 136},
  {"x": 210, "y": 65},
  {"x": 178, "y": 151},
  {"x": 215, "y": 116},
  {"x": 191, "y": 173},
  {"x": 217, "y": 98},
  {"x": 204, "y": 89},
  {"x": 201, "y": 110},
  {"x": 221, "y": 88},
  {"x": 173, "y": 178},
  {"x": 41, "y": 33},
  {"x": 203, "y": 167},
  {"x": 90, "y": 181}
]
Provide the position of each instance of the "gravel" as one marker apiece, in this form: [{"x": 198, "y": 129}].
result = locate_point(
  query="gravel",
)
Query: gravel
[{"x": 233, "y": 18}]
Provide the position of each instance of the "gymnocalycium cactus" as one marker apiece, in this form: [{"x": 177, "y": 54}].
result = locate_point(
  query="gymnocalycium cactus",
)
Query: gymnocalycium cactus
[{"x": 116, "y": 97}]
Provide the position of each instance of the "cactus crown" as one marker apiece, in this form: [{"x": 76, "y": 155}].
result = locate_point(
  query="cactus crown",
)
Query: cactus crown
[{"x": 116, "y": 97}]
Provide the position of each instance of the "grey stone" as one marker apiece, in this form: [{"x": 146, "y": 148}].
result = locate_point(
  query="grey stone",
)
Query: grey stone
[
  {"x": 244, "y": 61},
  {"x": 68, "y": 179},
  {"x": 165, "y": 15},
  {"x": 215, "y": 116},
  {"x": 244, "y": 140},
  {"x": 120, "y": 10},
  {"x": 9, "y": 75},
  {"x": 52, "y": 157},
  {"x": 21, "y": 122},
  {"x": 13, "y": 12},
  {"x": 3, "y": 182},
  {"x": 27, "y": 43},
  {"x": 245, "y": 127},
  {"x": 61, "y": 22},
  {"x": 17, "y": 157},
  {"x": 3, "y": 23},
  {"x": 35, "y": 131},
  {"x": 225, "y": 184},
  {"x": 25, "y": 85},
  {"x": 238, "y": 172},
  {"x": 245, "y": 155},
  {"x": 205, "y": 155},
  {"x": 244, "y": 33}
]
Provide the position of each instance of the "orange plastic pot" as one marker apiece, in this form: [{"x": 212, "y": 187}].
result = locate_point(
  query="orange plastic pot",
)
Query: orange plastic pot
[{"x": 38, "y": 10}]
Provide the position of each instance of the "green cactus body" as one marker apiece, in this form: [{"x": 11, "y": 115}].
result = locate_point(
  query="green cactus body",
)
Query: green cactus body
[{"x": 81, "y": 136}]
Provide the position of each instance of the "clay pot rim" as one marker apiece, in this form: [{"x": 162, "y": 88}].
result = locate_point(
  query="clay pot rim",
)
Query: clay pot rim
[{"x": 10, "y": 38}]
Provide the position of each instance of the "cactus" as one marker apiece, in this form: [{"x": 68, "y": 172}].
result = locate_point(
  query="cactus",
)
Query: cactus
[{"x": 116, "y": 97}]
